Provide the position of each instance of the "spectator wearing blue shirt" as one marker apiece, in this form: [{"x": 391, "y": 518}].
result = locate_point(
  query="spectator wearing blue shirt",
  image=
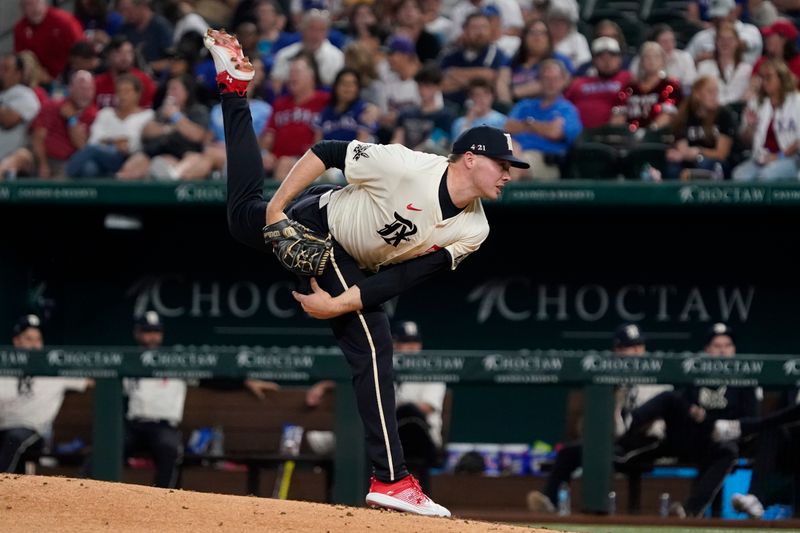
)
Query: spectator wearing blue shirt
[
  {"x": 212, "y": 159},
  {"x": 479, "y": 109},
  {"x": 477, "y": 57},
  {"x": 149, "y": 32},
  {"x": 270, "y": 22},
  {"x": 544, "y": 128},
  {"x": 347, "y": 117}
]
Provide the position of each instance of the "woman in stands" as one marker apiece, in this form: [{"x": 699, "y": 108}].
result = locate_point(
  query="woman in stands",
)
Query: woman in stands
[
  {"x": 680, "y": 63},
  {"x": 115, "y": 134},
  {"x": 704, "y": 132},
  {"x": 347, "y": 116},
  {"x": 771, "y": 121},
  {"x": 780, "y": 42},
  {"x": 652, "y": 99},
  {"x": 520, "y": 79},
  {"x": 727, "y": 65},
  {"x": 179, "y": 129}
]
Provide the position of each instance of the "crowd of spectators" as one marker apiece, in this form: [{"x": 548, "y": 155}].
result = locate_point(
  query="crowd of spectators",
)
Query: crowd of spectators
[{"x": 129, "y": 92}]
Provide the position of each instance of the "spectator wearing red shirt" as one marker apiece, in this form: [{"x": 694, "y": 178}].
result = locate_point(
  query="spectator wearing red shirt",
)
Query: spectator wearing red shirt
[
  {"x": 290, "y": 131},
  {"x": 48, "y": 32},
  {"x": 120, "y": 59},
  {"x": 596, "y": 96},
  {"x": 58, "y": 131}
]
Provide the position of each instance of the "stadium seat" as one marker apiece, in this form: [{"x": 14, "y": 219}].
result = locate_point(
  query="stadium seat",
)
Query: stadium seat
[
  {"x": 740, "y": 151},
  {"x": 643, "y": 154},
  {"x": 662, "y": 136},
  {"x": 593, "y": 160},
  {"x": 592, "y": 8},
  {"x": 615, "y": 135},
  {"x": 678, "y": 7}
]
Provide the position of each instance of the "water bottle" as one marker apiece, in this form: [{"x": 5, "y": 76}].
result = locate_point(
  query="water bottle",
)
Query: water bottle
[
  {"x": 612, "y": 503},
  {"x": 718, "y": 174},
  {"x": 563, "y": 500},
  {"x": 663, "y": 504},
  {"x": 291, "y": 439},
  {"x": 217, "y": 448},
  {"x": 644, "y": 174}
]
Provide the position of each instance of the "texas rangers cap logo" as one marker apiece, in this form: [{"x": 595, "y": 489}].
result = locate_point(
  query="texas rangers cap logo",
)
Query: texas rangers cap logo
[{"x": 490, "y": 142}]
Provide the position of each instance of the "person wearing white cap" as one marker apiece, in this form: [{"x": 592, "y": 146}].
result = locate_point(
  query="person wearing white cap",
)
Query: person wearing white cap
[{"x": 702, "y": 44}]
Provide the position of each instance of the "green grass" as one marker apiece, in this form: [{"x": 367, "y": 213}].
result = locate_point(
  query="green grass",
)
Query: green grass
[{"x": 584, "y": 528}]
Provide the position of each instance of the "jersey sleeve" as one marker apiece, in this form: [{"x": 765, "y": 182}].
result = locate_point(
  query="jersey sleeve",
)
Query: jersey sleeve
[
  {"x": 368, "y": 163},
  {"x": 460, "y": 249}
]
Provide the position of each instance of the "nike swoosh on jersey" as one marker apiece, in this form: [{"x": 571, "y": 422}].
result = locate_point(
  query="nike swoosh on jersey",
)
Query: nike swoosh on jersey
[{"x": 411, "y": 207}]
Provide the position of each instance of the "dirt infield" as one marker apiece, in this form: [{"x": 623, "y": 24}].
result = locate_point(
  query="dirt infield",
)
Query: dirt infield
[{"x": 38, "y": 503}]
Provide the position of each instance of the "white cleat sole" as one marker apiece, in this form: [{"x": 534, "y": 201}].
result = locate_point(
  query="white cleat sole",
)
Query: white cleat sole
[
  {"x": 226, "y": 59},
  {"x": 376, "y": 499}
]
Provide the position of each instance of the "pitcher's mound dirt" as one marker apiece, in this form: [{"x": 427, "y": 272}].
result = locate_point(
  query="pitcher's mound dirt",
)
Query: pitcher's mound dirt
[{"x": 38, "y": 503}]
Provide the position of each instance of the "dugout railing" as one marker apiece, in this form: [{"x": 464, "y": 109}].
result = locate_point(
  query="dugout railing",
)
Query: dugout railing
[{"x": 597, "y": 372}]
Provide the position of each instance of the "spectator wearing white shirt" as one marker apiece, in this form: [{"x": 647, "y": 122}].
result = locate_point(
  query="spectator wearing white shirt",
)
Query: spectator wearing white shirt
[
  {"x": 314, "y": 30},
  {"x": 680, "y": 64},
  {"x": 435, "y": 22},
  {"x": 18, "y": 105},
  {"x": 701, "y": 46},
  {"x": 509, "y": 10},
  {"x": 115, "y": 134},
  {"x": 29, "y": 405},
  {"x": 727, "y": 65},
  {"x": 771, "y": 122},
  {"x": 562, "y": 20}
]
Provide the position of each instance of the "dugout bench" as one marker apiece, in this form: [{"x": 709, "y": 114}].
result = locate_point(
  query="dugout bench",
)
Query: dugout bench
[{"x": 252, "y": 430}]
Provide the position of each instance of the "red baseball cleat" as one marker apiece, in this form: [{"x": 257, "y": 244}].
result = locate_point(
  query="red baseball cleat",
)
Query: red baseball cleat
[
  {"x": 404, "y": 495},
  {"x": 234, "y": 70}
]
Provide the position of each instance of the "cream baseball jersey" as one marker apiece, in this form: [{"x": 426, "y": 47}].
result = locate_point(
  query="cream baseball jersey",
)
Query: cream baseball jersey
[
  {"x": 389, "y": 212},
  {"x": 156, "y": 399},
  {"x": 34, "y": 403}
]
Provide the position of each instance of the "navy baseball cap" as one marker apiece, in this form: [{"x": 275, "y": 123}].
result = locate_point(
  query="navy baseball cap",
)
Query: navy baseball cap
[
  {"x": 401, "y": 44},
  {"x": 717, "y": 329},
  {"x": 487, "y": 141},
  {"x": 628, "y": 335},
  {"x": 406, "y": 331},
  {"x": 149, "y": 321},
  {"x": 26, "y": 321}
]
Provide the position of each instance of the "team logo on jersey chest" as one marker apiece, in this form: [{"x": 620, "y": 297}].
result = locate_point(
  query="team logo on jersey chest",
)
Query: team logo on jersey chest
[
  {"x": 360, "y": 151},
  {"x": 25, "y": 386},
  {"x": 398, "y": 230}
]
